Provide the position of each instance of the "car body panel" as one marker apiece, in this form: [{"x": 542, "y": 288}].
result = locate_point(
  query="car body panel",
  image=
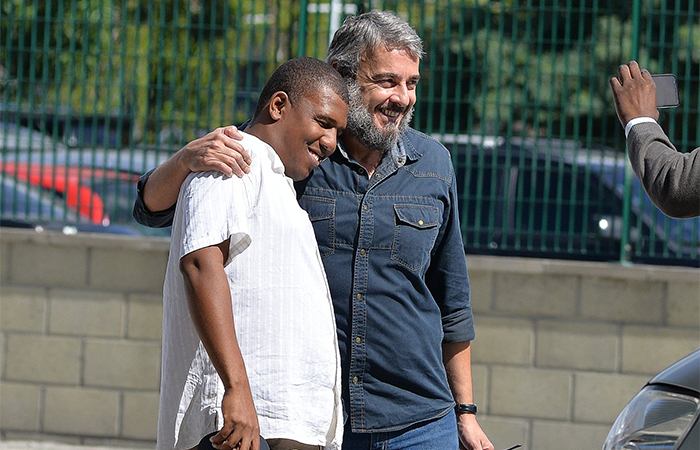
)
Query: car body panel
[{"x": 684, "y": 374}]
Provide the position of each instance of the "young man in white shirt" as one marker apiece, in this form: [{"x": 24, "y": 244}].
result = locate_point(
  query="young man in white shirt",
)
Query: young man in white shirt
[{"x": 249, "y": 338}]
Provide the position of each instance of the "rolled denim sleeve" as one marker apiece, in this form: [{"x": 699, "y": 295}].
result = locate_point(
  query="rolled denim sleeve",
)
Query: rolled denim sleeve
[
  {"x": 448, "y": 278},
  {"x": 158, "y": 219}
]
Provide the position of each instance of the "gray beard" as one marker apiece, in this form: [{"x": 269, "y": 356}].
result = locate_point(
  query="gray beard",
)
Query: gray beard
[{"x": 361, "y": 125}]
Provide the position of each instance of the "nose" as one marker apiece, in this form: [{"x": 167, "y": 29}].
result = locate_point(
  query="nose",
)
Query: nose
[
  {"x": 328, "y": 142},
  {"x": 401, "y": 95}
]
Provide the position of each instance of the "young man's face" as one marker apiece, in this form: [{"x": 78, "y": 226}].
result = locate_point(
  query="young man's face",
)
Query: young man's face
[
  {"x": 382, "y": 99},
  {"x": 310, "y": 131}
]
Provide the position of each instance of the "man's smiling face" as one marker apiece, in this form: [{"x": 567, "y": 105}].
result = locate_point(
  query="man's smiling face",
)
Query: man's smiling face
[
  {"x": 309, "y": 130},
  {"x": 382, "y": 97}
]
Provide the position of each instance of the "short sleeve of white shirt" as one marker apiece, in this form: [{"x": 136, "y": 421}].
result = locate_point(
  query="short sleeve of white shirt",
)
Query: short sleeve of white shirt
[{"x": 215, "y": 208}]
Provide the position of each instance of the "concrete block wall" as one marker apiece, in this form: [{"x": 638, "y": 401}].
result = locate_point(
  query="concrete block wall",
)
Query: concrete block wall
[
  {"x": 80, "y": 333},
  {"x": 561, "y": 346}
]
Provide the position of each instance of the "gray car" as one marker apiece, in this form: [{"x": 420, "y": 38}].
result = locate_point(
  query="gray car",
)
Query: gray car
[{"x": 664, "y": 414}]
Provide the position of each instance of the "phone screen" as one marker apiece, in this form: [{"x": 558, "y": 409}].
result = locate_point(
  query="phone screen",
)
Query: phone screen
[{"x": 666, "y": 91}]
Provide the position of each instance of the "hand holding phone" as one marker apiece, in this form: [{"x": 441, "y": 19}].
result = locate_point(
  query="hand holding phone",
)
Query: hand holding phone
[{"x": 666, "y": 90}]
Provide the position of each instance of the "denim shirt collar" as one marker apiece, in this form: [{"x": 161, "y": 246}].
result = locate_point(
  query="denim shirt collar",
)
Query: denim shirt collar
[{"x": 392, "y": 160}]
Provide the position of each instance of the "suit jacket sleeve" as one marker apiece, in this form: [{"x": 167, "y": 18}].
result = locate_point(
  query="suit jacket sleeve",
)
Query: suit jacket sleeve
[{"x": 670, "y": 178}]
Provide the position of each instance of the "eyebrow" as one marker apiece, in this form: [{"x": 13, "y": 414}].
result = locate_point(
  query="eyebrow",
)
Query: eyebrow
[{"x": 379, "y": 76}]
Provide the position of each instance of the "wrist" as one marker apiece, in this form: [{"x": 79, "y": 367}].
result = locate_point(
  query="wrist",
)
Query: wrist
[{"x": 635, "y": 121}]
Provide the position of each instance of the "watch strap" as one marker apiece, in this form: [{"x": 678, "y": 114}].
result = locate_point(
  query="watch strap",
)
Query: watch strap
[{"x": 465, "y": 408}]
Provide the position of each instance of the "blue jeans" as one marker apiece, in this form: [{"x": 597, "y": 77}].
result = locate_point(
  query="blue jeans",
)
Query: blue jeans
[{"x": 438, "y": 434}]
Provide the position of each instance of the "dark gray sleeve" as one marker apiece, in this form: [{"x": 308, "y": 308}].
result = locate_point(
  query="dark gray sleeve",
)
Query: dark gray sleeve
[
  {"x": 159, "y": 219},
  {"x": 670, "y": 178}
]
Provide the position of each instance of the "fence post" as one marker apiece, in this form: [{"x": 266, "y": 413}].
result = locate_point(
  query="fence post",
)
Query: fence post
[
  {"x": 627, "y": 199},
  {"x": 301, "y": 48}
]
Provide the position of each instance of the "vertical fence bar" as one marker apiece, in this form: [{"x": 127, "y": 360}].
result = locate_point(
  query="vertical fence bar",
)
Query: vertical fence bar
[
  {"x": 627, "y": 199},
  {"x": 303, "y": 17},
  {"x": 518, "y": 71}
]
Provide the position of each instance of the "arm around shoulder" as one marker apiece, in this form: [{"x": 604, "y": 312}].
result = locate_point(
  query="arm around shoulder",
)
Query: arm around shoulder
[{"x": 158, "y": 189}]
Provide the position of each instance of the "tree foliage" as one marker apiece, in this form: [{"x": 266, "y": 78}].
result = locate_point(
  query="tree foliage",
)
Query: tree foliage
[
  {"x": 175, "y": 68},
  {"x": 542, "y": 68}
]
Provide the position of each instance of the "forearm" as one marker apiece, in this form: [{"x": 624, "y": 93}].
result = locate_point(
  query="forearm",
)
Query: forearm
[
  {"x": 670, "y": 178},
  {"x": 217, "y": 151},
  {"x": 457, "y": 359},
  {"x": 163, "y": 186}
]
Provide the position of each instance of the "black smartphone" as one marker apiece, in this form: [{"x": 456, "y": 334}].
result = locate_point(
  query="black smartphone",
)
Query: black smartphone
[
  {"x": 205, "y": 443},
  {"x": 666, "y": 90}
]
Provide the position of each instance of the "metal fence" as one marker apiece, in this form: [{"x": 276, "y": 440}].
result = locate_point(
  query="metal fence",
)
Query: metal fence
[{"x": 94, "y": 92}]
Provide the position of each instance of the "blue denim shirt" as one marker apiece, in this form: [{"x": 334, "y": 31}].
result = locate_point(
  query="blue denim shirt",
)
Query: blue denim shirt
[
  {"x": 393, "y": 254},
  {"x": 407, "y": 289}
]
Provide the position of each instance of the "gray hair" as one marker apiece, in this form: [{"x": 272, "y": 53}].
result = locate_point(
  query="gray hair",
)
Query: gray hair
[{"x": 366, "y": 33}]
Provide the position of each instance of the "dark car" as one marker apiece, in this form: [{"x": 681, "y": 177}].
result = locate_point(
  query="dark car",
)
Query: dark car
[
  {"x": 664, "y": 414},
  {"x": 554, "y": 199}
]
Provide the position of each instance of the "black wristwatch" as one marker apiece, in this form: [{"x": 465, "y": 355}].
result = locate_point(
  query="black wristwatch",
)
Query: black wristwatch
[{"x": 465, "y": 408}]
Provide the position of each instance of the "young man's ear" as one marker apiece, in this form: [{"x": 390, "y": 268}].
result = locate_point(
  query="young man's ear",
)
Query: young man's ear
[{"x": 278, "y": 103}]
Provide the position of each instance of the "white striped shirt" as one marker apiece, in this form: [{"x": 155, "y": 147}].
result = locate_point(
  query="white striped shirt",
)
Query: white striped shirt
[{"x": 281, "y": 305}]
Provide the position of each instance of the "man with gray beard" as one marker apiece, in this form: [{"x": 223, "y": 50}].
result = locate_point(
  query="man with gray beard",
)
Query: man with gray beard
[{"x": 384, "y": 211}]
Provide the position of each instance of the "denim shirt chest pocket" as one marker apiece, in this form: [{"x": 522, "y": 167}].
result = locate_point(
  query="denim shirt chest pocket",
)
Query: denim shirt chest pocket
[
  {"x": 415, "y": 230},
  {"x": 321, "y": 211}
]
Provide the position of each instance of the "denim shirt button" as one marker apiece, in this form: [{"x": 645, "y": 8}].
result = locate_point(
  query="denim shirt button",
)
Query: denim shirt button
[
  {"x": 363, "y": 251},
  {"x": 355, "y": 379},
  {"x": 358, "y": 296},
  {"x": 358, "y": 340},
  {"x": 365, "y": 207},
  {"x": 361, "y": 171}
]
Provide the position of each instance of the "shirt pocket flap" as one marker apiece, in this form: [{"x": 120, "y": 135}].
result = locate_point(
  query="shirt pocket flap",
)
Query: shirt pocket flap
[
  {"x": 417, "y": 216},
  {"x": 319, "y": 208}
]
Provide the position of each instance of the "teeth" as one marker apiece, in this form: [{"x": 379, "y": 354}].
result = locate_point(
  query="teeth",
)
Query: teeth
[
  {"x": 391, "y": 113},
  {"x": 315, "y": 156}
]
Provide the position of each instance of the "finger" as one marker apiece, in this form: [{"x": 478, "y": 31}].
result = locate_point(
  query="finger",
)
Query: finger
[
  {"x": 647, "y": 76},
  {"x": 232, "y": 132},
  {"x": 249, "y": 444},
  {"x": 238, "y": 149},
  {"x": 615, "y": 84},
  {"x": 233, "y": 148},
  {"x": 227, "y": 169},
  {"x": 242, "y": 160},
  {"x": 236, "y": 162},
  {"x": 227, "y": 445},
  {"x": 220, "y": 437},
  {"x": 623, "y": 73},
  {"x": 635, "y": 72},
  {"x": 233, "y": 441}
]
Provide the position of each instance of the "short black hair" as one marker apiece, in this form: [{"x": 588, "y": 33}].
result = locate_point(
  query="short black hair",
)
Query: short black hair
[{"x": 301, "y": 76}]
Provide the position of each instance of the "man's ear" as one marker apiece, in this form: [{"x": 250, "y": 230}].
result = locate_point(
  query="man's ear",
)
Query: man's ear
[{"x": 278, "y": 103}]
